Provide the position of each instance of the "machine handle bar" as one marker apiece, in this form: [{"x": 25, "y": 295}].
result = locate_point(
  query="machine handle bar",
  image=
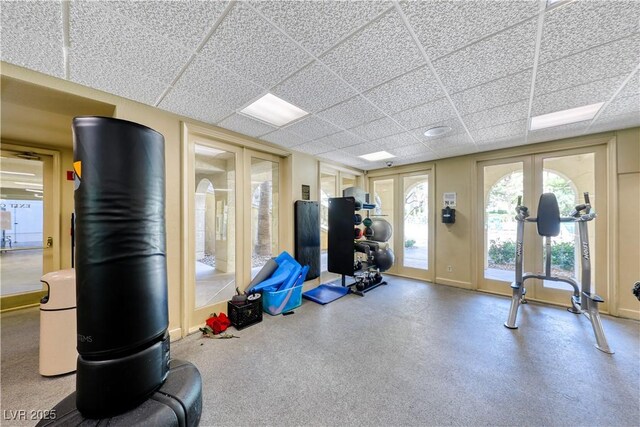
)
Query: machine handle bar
[{"x": 586, "y": 207}]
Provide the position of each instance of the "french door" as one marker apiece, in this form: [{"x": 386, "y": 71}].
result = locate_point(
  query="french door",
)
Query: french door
[
  {"x": 406, "y": 201},
  {"x": 568, "y": 174},
  {"x": 233, "y": 207},
  {"x": 29, "y": 245}
]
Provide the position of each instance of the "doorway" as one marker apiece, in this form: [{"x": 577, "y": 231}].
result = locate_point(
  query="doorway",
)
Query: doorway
[
  {"x": 232, "y": 215},
  {"x": 406, "y": 201},
  {"x": 27, "y": 222},
  {"x": 568, "y": 174}
]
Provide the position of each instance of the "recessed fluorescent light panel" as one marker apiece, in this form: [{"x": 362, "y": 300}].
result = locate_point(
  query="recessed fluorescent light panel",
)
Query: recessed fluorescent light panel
[
  {"x": 273, "y": 110},
  {"x": 33, "y": 184},
  {"x": 18, "y": 173},
  {"x": 379, "y": 155},
  {"x": 565, "y": 117}
]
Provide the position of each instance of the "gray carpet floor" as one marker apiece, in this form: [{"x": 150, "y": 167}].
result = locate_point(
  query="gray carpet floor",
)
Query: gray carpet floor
[{"x": 408, "y": 353}]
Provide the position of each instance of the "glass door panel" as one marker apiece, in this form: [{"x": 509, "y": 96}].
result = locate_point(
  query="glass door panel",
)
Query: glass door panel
[
  {"x": 22, "y": 239},
  {"x": 503, "y": 184},
  {"x": 265, "y": 183},
  {"x": 214, "y": 222},
  {"x": 415, "y": 222},
  {"x": 384, "y": 199},
  {"x": 569, "y": 175},
  {"x": 346, "y": 181},
  {"x": 328, "y": 183}
]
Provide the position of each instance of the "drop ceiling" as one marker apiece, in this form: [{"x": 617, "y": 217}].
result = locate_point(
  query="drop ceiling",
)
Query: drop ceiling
[{"x": 373, "y": 75}]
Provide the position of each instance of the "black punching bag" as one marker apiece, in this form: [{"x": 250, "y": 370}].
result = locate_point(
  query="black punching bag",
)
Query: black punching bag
[{"x": 121, "y": 272}]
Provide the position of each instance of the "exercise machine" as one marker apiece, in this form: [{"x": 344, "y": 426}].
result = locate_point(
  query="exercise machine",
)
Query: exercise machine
[{"x": 583, "y": 300}]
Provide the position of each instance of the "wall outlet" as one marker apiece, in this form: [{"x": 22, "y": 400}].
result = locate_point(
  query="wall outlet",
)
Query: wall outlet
[{"x": 449, "y": 268}]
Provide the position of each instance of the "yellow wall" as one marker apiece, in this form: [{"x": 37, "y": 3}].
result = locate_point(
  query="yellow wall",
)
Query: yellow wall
[{"x": 628, "y": 250}]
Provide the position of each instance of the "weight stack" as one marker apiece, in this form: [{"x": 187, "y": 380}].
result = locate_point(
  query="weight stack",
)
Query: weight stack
[{"x": 121, "y": 272}]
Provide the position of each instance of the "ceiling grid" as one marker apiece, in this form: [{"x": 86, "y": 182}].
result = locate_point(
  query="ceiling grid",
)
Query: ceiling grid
[{"x": 373, "y": 75}]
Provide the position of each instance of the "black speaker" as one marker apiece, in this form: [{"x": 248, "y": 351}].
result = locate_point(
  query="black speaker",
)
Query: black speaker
[{"x": 121, "y": 272}]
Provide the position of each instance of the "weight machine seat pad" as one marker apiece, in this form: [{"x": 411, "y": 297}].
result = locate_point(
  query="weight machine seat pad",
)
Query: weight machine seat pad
[{"x": 548, "y": 215}]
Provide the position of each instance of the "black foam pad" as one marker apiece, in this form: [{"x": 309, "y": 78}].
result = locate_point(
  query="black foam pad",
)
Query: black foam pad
[
  {"x": 340, "y": 240},
  {"x": 548, "y": 216},
  {"x": 307, "y": 236}
]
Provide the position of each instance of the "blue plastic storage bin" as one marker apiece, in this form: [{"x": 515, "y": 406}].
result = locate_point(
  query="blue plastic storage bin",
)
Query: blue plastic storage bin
[{"x": 277, "y": 302}]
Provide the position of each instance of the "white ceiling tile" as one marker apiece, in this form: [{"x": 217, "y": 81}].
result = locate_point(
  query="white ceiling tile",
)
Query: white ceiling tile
[
  {"x": 576, "y": 96},
  {"x": 34, "y": 18},
  {"x": 620, "y": 106},
  {"x": 18, "y": 48},
  {"x": 313, "y": 88},
  {"x": 31, "y": 34},
  {"x": 450, "y": 142},
  {"x": 411, "y": 89},
  {"x": 283, "y": 138},
  {"x": 251, "y": 47},
  {"x": 351, "y": 113},
  {"x": 341, "y": 157},
  {"x": 490, "y": 134},
  {"x": 619, "y": 57},
  {"x": 311, "y": 128},
  {"x": 395, "y": 141},
  {"x": 246, "y": 125},
  {"x": 557, "y": 132},
  {"x": 498, "y": 92},
  {"x": 319, "y": 25},
  {"x": 407, "y": 160},
  {"x": 623, "y": 121},
  {"x": 340, "y": 140},
  {"x": 445, "y": 26},
  {"x": 359, "y": 149},
  {"x": 378, "y": 129},
  {"x": 111, "y": 77},
  {"x": 103, "y": 36},
  {"x": 197, "y": 107},
  {"x": 184, "y": 22},
  {"x": 497, "y": 115},
  {"x": 497, "y": 56},
  {"x": 632, "y": 87},
  {"x": 501, "y": 143},
  {"x": 409, "y": 150},
  {"x": 582, "y": 25},
  {"x": 425, "y": 114},
  {"x": 457, "y": 151},
  {"x": 378, "y": 53},
  {"x": 313, "y": 148},
  {"x": 204, "y": 78}
]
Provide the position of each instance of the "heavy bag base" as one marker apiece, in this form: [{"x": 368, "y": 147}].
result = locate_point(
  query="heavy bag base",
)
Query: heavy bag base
[
  {"x": 113, "y": 386},
  {"x": 177, "y": 403}
]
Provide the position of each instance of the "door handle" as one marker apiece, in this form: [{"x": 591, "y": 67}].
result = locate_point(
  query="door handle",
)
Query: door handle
[{"x": 49, "y": 242}]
